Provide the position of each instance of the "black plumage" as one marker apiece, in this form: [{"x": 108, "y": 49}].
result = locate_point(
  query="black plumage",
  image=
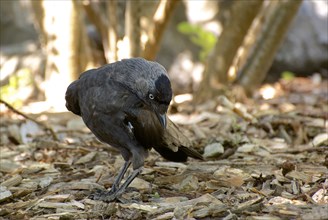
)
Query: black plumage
[{"x": 124, "y": 104}]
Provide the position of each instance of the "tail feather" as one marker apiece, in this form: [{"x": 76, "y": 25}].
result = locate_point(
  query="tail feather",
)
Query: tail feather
[
  {"x": 176, "y": 146},
  {"x": 192, "y": 153}
]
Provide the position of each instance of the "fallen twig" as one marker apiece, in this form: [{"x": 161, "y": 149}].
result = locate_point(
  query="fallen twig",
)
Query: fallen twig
[{"x": 46, "y": 127}]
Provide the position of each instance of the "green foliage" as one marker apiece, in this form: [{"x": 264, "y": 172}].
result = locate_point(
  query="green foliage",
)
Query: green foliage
[
  {"x": 156, "y": 195},
  {"x": 12, "y": 92},
  {"x": 200, "y": 37},
  {"x": 286, "y": 75}
]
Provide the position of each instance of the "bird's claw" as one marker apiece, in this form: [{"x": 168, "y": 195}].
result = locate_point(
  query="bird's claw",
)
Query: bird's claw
[{"x": 105, "y": 196}]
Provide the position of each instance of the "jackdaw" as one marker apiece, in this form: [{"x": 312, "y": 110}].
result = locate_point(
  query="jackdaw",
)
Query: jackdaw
[{"x": 124, "y": 104}]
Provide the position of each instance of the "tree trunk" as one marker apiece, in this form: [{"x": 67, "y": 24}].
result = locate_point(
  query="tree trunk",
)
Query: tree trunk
[
  {"x": 112, "y": 31},
  {"x": 67, "y": 48},
  {"x": 221, "y": 58},
  {"x": 133, "y": 27},
  {"x": 275, "y": 26},
  {"x": 38, "y": 11},
  {"x": 161, "y": 18}
]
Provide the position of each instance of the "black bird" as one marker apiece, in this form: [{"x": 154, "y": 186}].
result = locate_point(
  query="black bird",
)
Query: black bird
[{"x": 124, "y": 104}]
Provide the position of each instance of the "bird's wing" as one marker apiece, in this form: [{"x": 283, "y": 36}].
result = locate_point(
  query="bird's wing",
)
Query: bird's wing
[
  {"x": 72, "y": 93},
  {"x": 72, "y": 98},
  {"x": 146, "y": 127},
  {"x": 174, "y": 139},
  {"x": 175, "y": 146}
]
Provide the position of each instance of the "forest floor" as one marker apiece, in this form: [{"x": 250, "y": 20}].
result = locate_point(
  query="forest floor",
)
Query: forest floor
[{"x": 265, "y": 159}]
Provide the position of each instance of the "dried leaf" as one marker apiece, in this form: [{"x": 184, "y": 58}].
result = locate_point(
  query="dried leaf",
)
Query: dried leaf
[
  {"x": 321, "y": 196},
  {"x": 13, "y": 181},
  {"x": 86, "y": 158}
]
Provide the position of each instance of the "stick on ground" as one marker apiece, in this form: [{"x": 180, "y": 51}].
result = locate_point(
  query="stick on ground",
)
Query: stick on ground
[{"x": 46, "y": 127}]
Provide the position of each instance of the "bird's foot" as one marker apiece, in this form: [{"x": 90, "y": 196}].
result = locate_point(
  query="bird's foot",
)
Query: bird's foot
[
  {"x": 104, "y": 195},
  {"x": 116, "y": 192}
]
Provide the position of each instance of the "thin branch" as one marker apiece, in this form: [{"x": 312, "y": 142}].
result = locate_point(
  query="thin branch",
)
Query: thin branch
[
  {"x": 95, "y": 16},
  {"x": 46, "y": 127},
  {"x": 100, "y": 22},
  {"x": 161, "y": 18}
]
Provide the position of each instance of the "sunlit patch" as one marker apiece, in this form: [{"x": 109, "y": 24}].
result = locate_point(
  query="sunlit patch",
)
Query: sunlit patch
[
  {"x": 8, "y": 65},
  {"x": 55, "y": 92},
  {"x": 195, "y": 10},
  {"x": 232, "y": 73},
  {"x": 183, "y": 98},
  {"x": 187, "y": 64},
  {"x": 39, "y": 107},
  {"x": 123, "y": 48},
  {"x": 159, "y": 14},
  {"x": 264, "y": 107},
  {"x": 197, "y": 72},
  {"x": 144, "y": 39},
  {"x": 287, "y": 107},
  {"x": 321, "y": 8},
  {"x": 19, "y": 87},
  {"x": 268, "y": 92}
]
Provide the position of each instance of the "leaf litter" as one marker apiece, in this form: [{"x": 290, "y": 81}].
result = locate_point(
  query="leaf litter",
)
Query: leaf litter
[{"x": 265, "y": 159}]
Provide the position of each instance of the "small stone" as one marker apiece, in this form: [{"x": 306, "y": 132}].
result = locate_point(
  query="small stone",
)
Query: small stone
[
  {"x": 44, "y": 182},
  {"x": 320, "y": 139},
  {"x": 14, "y": 133},
  {"x": 213, "y": 150},
  {"x": 140, "y": 184},
  {"x": 4, "y": 193},
  {"x": 38, "y": 156},
  {"x": 247, "y": 148}
]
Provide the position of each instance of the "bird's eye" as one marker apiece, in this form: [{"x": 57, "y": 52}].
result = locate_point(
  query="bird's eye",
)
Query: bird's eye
[{"x": 151, "y": 96}]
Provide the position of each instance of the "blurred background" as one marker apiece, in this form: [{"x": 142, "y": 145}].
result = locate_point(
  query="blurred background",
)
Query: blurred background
[
  {"x": 209, "y": 47},
  {"x": 250, "y": 83}
]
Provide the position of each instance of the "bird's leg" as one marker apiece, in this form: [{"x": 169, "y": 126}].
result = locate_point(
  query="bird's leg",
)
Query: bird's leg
[
  {"x": 114, "y": 194},
  {"x": 120, "y": 176},
  {"x": 127, "y": 182},
  {"x": 103, "y": 195},
  {"x": 136, "y": 157}
]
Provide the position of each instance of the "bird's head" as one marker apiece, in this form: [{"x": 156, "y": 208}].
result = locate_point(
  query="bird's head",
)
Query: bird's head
[
  {"x": 159, "y": 97},
  {"x": 149, "y": 81}
]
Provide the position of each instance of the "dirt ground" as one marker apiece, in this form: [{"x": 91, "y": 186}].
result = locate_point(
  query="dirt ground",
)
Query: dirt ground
[{"x": 265, "y": 159}]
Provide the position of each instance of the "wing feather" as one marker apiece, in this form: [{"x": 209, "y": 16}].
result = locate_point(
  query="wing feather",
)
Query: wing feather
[{"x": 176, "y": 146}]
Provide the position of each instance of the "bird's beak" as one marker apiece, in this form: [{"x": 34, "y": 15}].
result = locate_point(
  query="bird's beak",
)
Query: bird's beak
[{"x": 162, "y": 119}]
